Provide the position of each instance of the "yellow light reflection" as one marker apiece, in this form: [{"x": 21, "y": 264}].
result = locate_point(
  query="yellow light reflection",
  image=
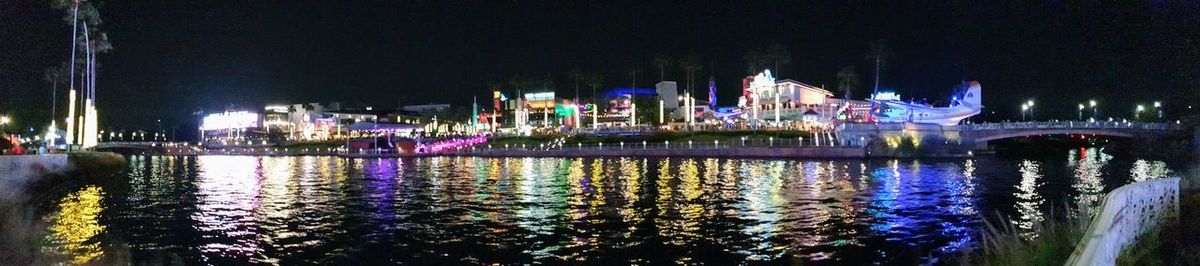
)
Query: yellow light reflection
[{"x": 75, "y": 224}]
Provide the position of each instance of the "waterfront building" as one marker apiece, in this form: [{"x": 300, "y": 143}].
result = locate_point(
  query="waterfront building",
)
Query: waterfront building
[
  {"x": 229, "y": 127},
  {"x": 668, "y": 92}
]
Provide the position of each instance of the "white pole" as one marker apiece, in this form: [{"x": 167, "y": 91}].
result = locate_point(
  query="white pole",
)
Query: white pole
[
  {"x": 632, "y": 114},
  {"x": 660, "y": 111},
  {"x": 776, "y": 91}
]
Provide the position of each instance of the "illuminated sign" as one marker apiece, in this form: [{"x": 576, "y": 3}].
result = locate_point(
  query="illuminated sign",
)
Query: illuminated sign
[
  {"x": 540, "y": 96},
  {"x": 229, "y": 120},
  {"x": 887, "y": 96},
  {"x": 277, "y": 108}
]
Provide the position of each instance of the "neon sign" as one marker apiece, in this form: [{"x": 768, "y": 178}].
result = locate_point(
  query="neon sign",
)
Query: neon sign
[
  {"x": 540, "y": 96},
  {"x": 887, "y": 96},
  {"x": 229, "y": 120}
]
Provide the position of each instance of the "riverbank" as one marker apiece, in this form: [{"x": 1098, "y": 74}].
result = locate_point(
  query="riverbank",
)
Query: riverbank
[
  {"x": 609, "y": 150},
  {"x": 723, "y": 152}
]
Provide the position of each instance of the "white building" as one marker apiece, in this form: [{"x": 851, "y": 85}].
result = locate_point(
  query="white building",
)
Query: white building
[
  {"x": 668, "y": 93},
  {"x": 800, "y": 94}
]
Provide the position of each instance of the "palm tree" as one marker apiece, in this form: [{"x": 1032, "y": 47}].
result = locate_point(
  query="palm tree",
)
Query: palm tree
[
  {"x": 754, "y": 61},
  {"x": 520, "y": 83},
  {"x": 847, "y": 81},
  {"x": 777, "y": 55},
  {"x": 662, "y": 62},
  {"x": 547, "y": 83},
  {"x": 85, "y": 11},
  {"x": 595, "y": 80},
  {"x": 576, "y": 76},
  {"x": 690, "y": 65},
  {"x": 55, "y": 75},
  {"x": 879, "y": 54}
]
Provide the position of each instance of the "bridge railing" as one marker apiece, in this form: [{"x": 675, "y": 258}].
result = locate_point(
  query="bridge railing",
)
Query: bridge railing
[
  {"x": 1127, "y": 214},
  {"x": 1070, "y": 125}
]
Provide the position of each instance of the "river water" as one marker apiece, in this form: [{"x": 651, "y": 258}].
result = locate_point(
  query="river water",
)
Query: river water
[{"x": 465, "y": 210}]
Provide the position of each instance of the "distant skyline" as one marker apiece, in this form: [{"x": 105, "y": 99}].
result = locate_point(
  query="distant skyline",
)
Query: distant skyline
[{"x": 170, "y": 58}]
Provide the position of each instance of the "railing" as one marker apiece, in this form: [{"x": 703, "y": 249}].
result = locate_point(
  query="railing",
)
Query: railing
[
  {"x": 1070, "y": 125},
  {"x": 141, "y": 143},
  {"x": 1127, "y": 213}
]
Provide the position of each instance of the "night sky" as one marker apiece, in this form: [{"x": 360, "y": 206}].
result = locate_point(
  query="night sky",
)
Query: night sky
[{"x": 171, "y": 58}]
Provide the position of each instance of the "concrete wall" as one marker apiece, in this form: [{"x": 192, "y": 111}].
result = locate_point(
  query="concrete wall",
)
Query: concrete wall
[
  {"x": 12, "y": 165},
  {"x": 18, "y": 171}
]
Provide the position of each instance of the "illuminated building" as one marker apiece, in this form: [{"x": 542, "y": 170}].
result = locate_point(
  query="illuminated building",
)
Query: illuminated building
[{"x": 228, "y": 126}]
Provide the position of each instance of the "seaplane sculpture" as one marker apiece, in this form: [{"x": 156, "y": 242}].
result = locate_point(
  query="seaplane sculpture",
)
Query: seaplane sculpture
[{"x": 896, "y": 111}]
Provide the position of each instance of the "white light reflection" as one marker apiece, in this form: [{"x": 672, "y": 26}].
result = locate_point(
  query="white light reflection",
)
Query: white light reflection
[
  {"x": 1029, "y": 203},
  {"x": 226, "y": 201}
]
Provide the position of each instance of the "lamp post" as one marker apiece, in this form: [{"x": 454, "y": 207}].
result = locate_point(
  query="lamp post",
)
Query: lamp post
[
  {"x": 1031, "y": 110},
  {"x": 1137, "y": 114},
  {"x": 1024, "y": 108},
  {"x": 1080, "y": 118},
  {"x": 1158, "y": 108},
  {"x": 1092, "y": 103}
]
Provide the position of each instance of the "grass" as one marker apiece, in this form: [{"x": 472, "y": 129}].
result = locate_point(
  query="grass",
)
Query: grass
[{"x": 1052, "y": 243}]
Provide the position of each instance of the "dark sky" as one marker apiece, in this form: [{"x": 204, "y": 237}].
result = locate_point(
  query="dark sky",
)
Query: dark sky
[{"x": 173, "y": 57}]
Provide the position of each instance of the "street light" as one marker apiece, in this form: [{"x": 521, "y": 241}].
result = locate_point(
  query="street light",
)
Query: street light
[
  {"x": 1031, "y": 110},
  {"x": 1137, "y": 114},
  {"x": 1080, "y": 113},
  {"x": 1158, "y": 108},
  {"x": 1092, "y": 103},
  {"x": 1024, "y": 108}
]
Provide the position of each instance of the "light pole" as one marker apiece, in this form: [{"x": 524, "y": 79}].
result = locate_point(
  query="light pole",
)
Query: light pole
[
  {"x": 1080, "y": 118},
  {"x": 1031, "y": 110},
  {"x": 1158, "y": 108},
  {"x": 1024, "y": 108},
  {"x": 1137, "y": 114},
  {"x": 660, "y": 111},
  {"x": 1092, "y": 103}
]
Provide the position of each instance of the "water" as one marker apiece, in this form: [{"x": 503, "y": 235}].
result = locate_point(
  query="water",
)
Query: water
[{"x": 456, "y": 210}]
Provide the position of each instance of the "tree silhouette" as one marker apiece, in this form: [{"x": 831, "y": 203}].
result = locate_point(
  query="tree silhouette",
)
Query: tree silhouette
[
  {"x": 777, "y": 55},
  {"x": 878, "y": 54},
  {"x": 755, "y": 60},
  {"x": 690, "y": 65},
  {"x": 662, "y": 62},
  {"x": 847, "y": 81},
  {"x": 576, "y": 76}
]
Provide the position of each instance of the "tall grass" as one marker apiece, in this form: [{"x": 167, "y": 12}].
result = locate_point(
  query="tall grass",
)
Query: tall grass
[{"x": 1050, "y": 242}]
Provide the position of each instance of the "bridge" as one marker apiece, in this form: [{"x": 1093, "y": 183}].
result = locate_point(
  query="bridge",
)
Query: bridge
[
  {"x": 995, "y": 131},
  {"x": 136, "y": 146},
  {"x": 978, "y": 135}
]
